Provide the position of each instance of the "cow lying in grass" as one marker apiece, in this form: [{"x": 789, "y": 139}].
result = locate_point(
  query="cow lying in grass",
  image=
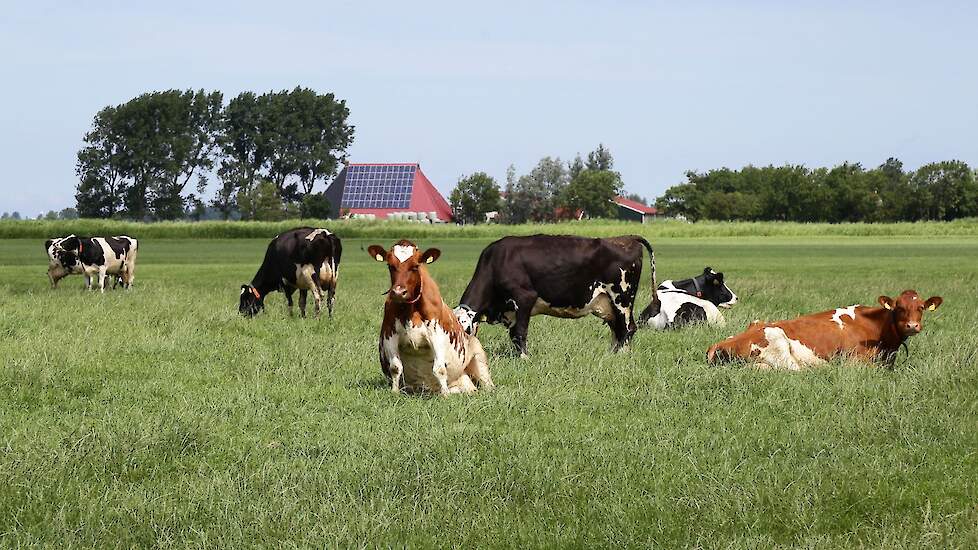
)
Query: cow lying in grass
[
  {"x": 694, "y": 300},
  {"x": 422, "y": 343},
  {"x": 94, "y": 257},
  {"x": 871, "y": 333},
  {"x": 306, "y": 259}
]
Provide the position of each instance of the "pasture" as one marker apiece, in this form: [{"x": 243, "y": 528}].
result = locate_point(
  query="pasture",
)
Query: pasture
[{"x": 161, "y": 417}]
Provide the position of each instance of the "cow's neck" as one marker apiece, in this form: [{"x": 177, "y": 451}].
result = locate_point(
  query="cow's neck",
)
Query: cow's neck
[
  {"x": 265, "y": 282},
  {"x": 884, "y": 328},
  {"x": 478, "y": 293}
]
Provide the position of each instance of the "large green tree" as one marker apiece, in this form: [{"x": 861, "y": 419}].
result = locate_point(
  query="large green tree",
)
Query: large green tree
[
  {"x": 473, "y": 197},
  {"x": 535, "y": 196},
  {"x": 593, "y": 192}
]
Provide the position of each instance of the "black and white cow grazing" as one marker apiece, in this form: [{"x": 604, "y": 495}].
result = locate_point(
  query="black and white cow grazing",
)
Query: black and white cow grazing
[
  {"x": 688, "y": 301},
  {"x": 304, "y": 258},
  {"x": 94, "y": 257},
  {"x": 556, "y": 275}
]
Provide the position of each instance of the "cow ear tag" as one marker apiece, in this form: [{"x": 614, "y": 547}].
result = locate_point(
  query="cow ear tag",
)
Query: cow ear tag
[
  {"x": 379, "y": 258},
  {"x": 932, "y": 307},
  {"x": 429, "y": 260},
  {"x": 887, "y": 306}
]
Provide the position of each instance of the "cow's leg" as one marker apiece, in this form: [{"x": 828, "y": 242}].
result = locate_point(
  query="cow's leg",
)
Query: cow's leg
[
  {"x": 462, "y": 385},
  {"x": 331, "y": 296},
  {"x": 317, "y": 295},
  {"x": 622, "y": 329},
  {"x": 521, "y": 324},
  {"x": 101, "y": 279},
  {"x": 396, "y": 368},
  {"x": 303, "y": 293},
  {"x": 289, "y": 291},
  {"x": 478, "y": 367}
]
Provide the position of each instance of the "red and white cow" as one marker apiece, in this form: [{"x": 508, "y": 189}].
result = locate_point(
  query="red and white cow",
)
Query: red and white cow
[
  {"x": 422, "y": 343},
  {"x": 862, "y": 332}
]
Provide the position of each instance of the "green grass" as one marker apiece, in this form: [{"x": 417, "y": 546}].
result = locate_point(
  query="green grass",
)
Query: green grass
[
  {"x": 663, "y": 228},
  {"x": 160, "y": 417}
]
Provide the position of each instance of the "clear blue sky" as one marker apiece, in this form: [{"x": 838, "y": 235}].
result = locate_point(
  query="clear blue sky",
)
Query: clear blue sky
[{"x": 667, "y": 86}]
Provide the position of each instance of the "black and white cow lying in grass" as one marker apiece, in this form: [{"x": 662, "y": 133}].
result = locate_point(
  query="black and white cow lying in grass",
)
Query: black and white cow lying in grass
[
  {"x": 304, "y": 258},
  {"x": 94, "y": 257},
  {"x": 689, "y": 301}
]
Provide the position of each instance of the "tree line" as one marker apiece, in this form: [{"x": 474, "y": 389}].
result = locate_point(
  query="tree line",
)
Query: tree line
[
  {"x": 846, "y": 193},
  {"x": 553, "y": 190},
  {"x": 268, "y": 152}
]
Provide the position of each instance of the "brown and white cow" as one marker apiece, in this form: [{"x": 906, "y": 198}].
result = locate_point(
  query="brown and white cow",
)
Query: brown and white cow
[
  {"x": 862, "y": 332},
  {"x": 422, "y": 343}
]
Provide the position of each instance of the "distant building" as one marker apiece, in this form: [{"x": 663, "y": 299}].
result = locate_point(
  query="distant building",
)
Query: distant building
[
  {"x": 634, "y": 211},
  {"x": 380, "y": 190}
]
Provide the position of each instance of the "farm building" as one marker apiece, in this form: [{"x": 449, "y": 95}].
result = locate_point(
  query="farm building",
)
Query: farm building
[
  {"x": 383, "y": 190},
  {"x": 633, "y": 211}
]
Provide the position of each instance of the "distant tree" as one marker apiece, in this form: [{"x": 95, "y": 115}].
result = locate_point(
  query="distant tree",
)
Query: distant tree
[
  {"x": 600, "y": 159},
  {"x": 594, "y": 191},
  {"x": 316, "y": 206},
  {"x": 15, "y": 215},
  {"x": 575, "y": 167},
  {"x": 292, "y": 139},
  {"x": 473, "y": 197},
  {"x": 536, "y": 196},
  {"x": 68, "y": 214},
  {"x": 51, "y": 215},
  {"x": 637, "y": 198},
  {"x": 142, "y": 154},
  {"x": 261, "y": 202},
  {"x": 943, "y": 191}
]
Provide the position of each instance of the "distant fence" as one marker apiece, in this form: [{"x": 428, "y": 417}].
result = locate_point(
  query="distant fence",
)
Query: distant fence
[{"x": 41, "y": 229}]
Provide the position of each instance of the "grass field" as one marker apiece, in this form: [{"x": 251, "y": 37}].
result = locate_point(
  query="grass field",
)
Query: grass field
[{"x": 160, "y": 417}]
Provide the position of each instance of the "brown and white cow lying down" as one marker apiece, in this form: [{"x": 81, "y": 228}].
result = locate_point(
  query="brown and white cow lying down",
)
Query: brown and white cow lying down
[
  {"x": 422, "y": 343},
  {"x": 872, "y": 333}
]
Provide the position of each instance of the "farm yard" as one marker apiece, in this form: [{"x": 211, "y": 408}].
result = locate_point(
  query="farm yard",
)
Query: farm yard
[{"x": 160, "y": 416}]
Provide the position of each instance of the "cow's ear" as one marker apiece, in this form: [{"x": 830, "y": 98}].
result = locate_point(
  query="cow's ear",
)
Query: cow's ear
[
  {"x": 377, "y": 252},
  {"x": 886, "y": 302},
  {"x": 933, "y": 302},
  {"x": 430, "y": 255}
]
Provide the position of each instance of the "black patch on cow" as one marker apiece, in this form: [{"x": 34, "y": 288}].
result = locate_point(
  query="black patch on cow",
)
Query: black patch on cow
[
  {"x": 688, "y": 313},
  {"x": 709, "y": 286}
]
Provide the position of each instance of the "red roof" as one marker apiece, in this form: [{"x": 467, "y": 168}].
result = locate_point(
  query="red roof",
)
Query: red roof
[
  {"x": 636, "y": 206},
  {"x": 424, "y": 197}
]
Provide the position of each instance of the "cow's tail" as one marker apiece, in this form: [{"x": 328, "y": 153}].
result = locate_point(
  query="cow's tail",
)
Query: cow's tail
[{"x": 654, "y": 305}]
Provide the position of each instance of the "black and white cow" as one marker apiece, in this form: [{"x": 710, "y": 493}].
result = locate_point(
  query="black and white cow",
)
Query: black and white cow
[
  {"x": 94, "y": 257},
  {"x": 694, "y": 300},
  {"x": 304, "y": 258},
  {"x": 560, "y": 276}
]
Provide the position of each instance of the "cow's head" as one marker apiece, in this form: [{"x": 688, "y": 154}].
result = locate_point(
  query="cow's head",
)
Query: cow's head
[
  {"x": 908, "y": 310},
  {"x": 714, "y": 289},
  {"x": 251, "y": 301},
  {"x": 466, "y": 318},
  {"x": 404, "y": 260},
  {"x": 65, "y": 251}
]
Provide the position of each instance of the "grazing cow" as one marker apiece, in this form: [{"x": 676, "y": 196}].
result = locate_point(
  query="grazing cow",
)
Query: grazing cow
[
  {"x": 304, "y": 258},
  {"x": 690, "y": 301},
  {"x": 422, "y": 343},
  {"x": 560, "y": 276},
  {"x": 94, "y": 257},
  {"x": 856, "y": 331}
]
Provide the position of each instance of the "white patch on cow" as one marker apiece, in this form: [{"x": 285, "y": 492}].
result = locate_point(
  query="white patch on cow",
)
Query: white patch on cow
[
  {"x": 782, "y": 352},
  {"x": 624, "y": 283},
  {"x": 602, "y": 304},
  {"x": 304, "y": 274},
  {"x": 839, "y": 312},
  {"x": 402, "y": 253},
  {"x": 312, "y": 234}
]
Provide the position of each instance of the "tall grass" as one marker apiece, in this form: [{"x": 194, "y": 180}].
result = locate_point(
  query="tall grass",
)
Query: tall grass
[{"x": 40, "y": 229}]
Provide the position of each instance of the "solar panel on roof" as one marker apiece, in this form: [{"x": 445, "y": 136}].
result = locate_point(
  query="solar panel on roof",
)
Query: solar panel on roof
[{"x": 383, "y": 186}]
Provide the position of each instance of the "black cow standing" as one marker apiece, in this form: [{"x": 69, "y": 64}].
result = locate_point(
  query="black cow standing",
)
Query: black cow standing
[
  {"x": 306, "y": 259},
  {"x": 556, "y": 275}
]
